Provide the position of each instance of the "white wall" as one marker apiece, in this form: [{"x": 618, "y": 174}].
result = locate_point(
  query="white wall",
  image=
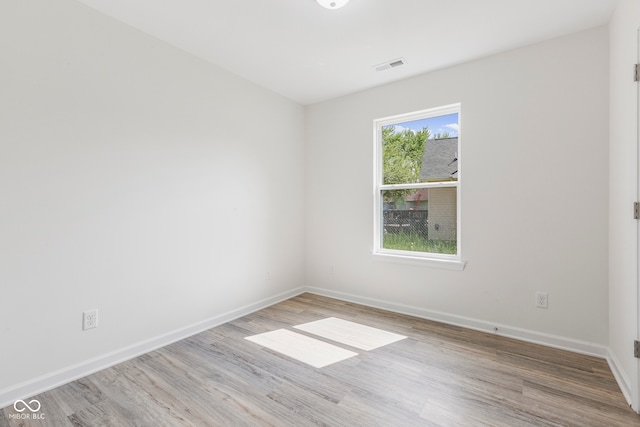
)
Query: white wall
[
  {"x": 534, "y": 193},
  {"x": 623, "y": 191},
  {"x": 136, "y": 179}
]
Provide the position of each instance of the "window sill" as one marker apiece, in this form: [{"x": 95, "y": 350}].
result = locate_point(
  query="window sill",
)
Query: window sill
[{"x": 448, "y": 264}]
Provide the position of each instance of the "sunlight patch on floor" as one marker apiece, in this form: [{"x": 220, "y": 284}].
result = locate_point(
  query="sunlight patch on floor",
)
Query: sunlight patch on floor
[
  {"x": 301, "y": 347},
  {"x": 318, "y": 353}
]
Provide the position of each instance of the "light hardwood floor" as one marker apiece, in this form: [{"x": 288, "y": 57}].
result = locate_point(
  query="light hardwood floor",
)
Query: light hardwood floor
[{"x": 439, "y": 376}]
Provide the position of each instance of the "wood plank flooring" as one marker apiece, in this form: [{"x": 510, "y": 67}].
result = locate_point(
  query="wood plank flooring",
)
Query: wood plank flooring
[{"x": 439, "y": 376}]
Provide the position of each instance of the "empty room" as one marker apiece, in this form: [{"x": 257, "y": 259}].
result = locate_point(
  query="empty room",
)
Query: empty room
[{"x": 310, "y": 212}]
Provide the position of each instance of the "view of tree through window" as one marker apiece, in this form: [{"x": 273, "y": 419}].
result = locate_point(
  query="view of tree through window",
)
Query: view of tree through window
[{"x": 418, "y": 183}]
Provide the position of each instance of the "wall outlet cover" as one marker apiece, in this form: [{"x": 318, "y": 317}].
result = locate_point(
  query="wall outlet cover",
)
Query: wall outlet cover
[
  {"x": 90, "y": 319},
  {"x": 542, "y": 300}
]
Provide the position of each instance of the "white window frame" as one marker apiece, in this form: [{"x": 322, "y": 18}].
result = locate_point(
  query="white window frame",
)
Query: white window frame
[{"x": 448, "y": 261}]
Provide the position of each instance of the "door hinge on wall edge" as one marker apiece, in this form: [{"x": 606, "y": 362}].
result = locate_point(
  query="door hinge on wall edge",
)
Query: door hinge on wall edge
[
  {"x": 636, "y": 349},
  {"x": 636, "y": 210},
  {"x": 636, "y": 72}
]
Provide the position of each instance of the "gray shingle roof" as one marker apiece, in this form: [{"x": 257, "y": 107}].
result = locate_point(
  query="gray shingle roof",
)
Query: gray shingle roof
[{"x": 440, "y": 160}]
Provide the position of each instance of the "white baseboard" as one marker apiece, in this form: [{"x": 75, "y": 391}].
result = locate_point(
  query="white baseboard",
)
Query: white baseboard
[
  {"x": 63, "y": 376},
  {"x": 563, "y": 343},
  {"x": 577, "y": 346},
  {"x": 71, "y": 373},
  {"x": 623, "y": 381}
]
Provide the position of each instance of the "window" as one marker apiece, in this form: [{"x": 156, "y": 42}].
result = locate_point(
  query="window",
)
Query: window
[{"x": 417, "y": 186}]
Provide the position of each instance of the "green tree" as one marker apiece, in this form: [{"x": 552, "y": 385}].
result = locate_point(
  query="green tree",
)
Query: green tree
[{"x": 402, "y": 158}]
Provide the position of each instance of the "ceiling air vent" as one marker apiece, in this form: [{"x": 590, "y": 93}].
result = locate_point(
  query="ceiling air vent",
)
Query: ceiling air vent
[{"x": 390, "y": 64}]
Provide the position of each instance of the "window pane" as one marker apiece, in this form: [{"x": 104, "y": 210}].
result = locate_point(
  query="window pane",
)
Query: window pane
[
  {"x": 417, "y": 151},
  {"x": 420, "y": 221}
]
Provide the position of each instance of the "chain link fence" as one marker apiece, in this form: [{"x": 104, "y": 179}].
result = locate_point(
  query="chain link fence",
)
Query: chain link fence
[{"x": 406, "y": 221}]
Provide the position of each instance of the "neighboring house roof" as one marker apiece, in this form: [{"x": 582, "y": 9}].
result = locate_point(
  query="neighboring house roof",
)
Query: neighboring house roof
[{"x": 440, "y": 160}]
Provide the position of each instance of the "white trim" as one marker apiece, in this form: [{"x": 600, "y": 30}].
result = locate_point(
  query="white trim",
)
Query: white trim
[
  {"x": 402, "y": 257},
  {"x": 623, "y": 381},
  {"x": 635, "y": 380},
  {"x": 71, "y": 373},
  {"x": 549, "y": 340},
  {"x": 63, "y": 376},
  {"x": 424, "y": 258},
  {"x": 418, "y": 186},
  {"x": 418, "y": 115}
]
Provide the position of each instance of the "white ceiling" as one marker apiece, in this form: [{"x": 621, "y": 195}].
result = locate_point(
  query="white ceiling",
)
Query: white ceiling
[{"x": 310, "y": 54}]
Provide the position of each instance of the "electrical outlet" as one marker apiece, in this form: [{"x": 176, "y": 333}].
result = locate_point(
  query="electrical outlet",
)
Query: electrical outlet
[
  {"x": 542, "y": 300},
  {"x": 90, "y": 319}
]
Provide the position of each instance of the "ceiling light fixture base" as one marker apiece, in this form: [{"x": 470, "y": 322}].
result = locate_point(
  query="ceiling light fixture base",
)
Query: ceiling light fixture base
[{"x": 332, "y": 4}]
